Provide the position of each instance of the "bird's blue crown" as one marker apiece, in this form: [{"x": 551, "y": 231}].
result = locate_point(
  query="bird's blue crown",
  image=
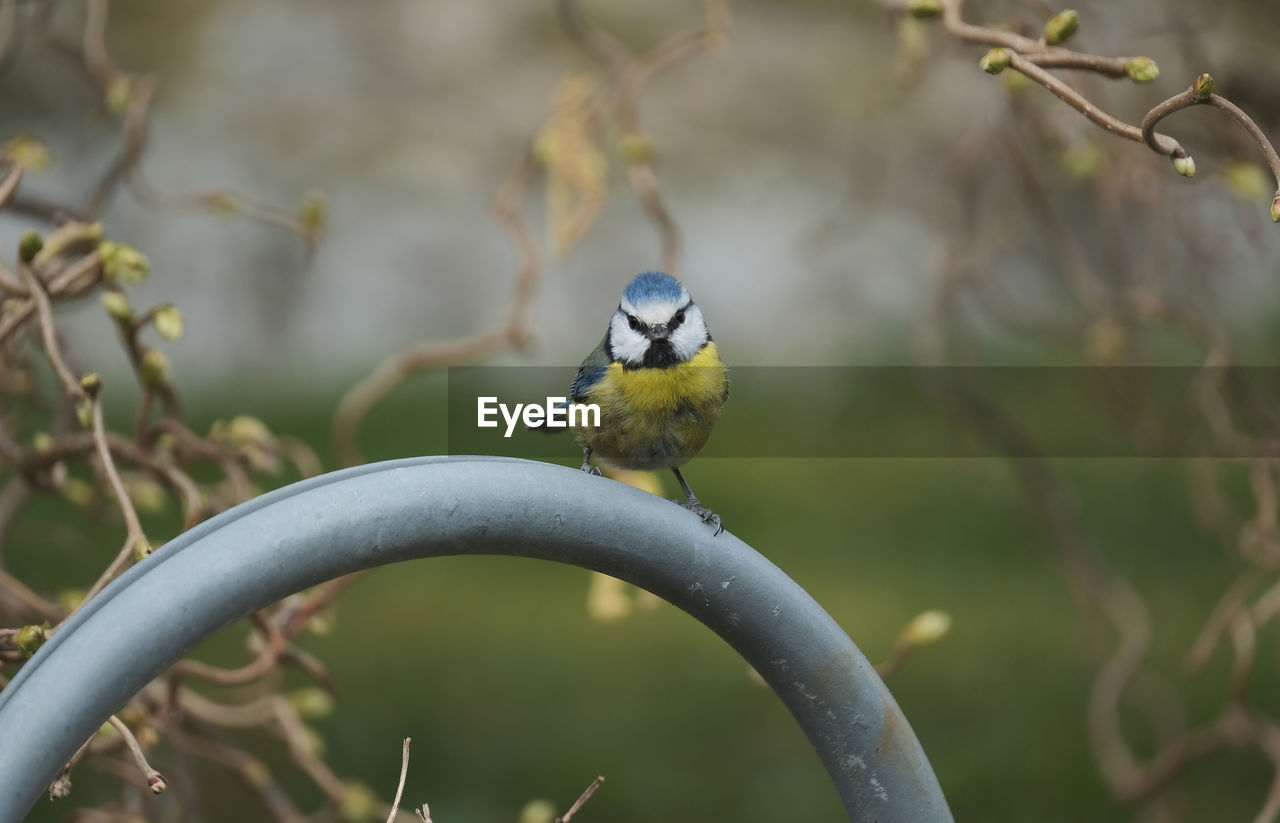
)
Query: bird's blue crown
[{"x": 652, "y": 287}]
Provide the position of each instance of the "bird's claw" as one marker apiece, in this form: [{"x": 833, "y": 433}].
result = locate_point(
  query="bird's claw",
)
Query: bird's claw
[
  {"x": 587, "y": 468},
  {"x": 709, "y": 517}
]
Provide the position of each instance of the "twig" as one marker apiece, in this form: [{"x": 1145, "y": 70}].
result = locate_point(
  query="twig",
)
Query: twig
[
  {"x": 91, "y": 52},
  {"x": 1232, "y": 600},
  {"x": 155, "y": 780},
  {"x": 79, "y": 444},
  {"x": 894, "y": 661},
  {"x": 272, "y": 709},
  {"x": 135, "y": 138},
  {"x": 94, "y": 45},
  {"x": 581, "y": 801},
  {"x": 599, "y": 44},
  {"x": 14, "y": 587},
  {"x": 1066, "y": 59},
  {"x": 13, "y": 175},
  {"x": 1032, "y": 57},
  {"x": 61, "y": 786},
  {"x": 956, "y": 26},
  {"x": 49, "y": 332},
  {"x": 135, "y": 536},
  {"x": 1161, "y": 143},
  {"x": 263, "y": 663},
  {"x": 188, "y": 439},
  {"x": 295, "y": 620},
  {"x": 1188, "y": 99},
  {"x": 43, "y": 209},
  {"x": 404, "y": 771}
]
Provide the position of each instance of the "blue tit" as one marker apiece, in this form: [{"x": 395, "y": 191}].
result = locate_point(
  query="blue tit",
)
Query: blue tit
[{"x": 659, "y": 382}]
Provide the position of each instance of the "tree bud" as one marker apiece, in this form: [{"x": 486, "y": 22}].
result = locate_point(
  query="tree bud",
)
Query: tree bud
[
  {"x": 117, "y": 305},
  {"x": 995, "y": 61},
  {"x": 1059, "y": 28},
  {"x": 168, "y": 322},
  {"x": 1142, "y": 69},
  {"x": 31, "y": 638},
  {"x": 1184, "y": 163},
  {"x": 29, "y": 245},
  {"x": 91, "y": 383},
  {"x": 924, "y": 9},
  {"x": 1202, "y": 88}
]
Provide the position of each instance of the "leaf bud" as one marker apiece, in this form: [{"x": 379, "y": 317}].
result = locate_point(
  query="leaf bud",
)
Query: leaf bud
[
  {"x": 1142, "y": 69},
  {"x": 927, "y": 627},
  {"x": 1059, "y": 28},
  {"x": 312, "y": 703},
  {"x": 168, "y": 322},
  {"x": 1183, "y": 163},
  {"x": 995, "y": 61},
  {"x": 26, "y": 152},
  {"x": 155, "y": 368},
  {"x": 1202, "y": 88},
  {"x": 119, "y": 90},
  {"x": 117, "y": 305},
  {"x": 31, "y": 638},
  {"x": 29, "y": 245},
  {"x": 84, "y": 412},
  {"x": 123, "y": 262},
  {"x": 538, "y": 811},
  {"x": 924, "y": 9},
  {"x": 314, "y": 211},
  {"x": 142, "y": 549},
  {"x": 636, "y": 147},
  {"x": 358, "y": 803}
]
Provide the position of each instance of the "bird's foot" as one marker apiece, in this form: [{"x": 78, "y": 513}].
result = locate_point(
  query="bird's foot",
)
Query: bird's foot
[
  {"x": 709, "y": 517},
  {"x": 587, "y": 468}
]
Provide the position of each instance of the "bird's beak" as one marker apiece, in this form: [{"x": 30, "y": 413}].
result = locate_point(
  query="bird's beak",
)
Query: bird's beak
[{"x": 659, "y": 332}]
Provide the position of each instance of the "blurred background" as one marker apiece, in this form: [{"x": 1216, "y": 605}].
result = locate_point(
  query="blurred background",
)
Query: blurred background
[{"x": 848, "y": 189}]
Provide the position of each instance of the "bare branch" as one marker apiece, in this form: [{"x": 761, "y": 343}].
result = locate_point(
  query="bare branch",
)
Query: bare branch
[
  {"x": 136, "y": 538},
  {"x": 154, "y": 780},
  {"x": 1077, "y": 101},
  {"x": 404, "y": 771},
  {"x": 581, "y": 801}
]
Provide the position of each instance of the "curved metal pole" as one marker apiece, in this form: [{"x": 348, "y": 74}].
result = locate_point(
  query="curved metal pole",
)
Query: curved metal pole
[{"x": 318, "y": 529}]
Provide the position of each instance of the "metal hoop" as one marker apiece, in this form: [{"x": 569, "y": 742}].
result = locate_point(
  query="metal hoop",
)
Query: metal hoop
[{"x": 318, "y": 529}]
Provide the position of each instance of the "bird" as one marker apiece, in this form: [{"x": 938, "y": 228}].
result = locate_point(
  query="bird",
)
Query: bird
[{"x": 659, "y": 382}]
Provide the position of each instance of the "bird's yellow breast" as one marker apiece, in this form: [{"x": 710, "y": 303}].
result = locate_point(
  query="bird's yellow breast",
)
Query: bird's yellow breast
[{"x": 658, "y": 417}]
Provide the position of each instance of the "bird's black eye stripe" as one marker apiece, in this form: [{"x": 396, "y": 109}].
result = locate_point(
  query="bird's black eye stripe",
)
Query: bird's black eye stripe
[
  {"x": 635, "y": 324},
  {"x": 676, "y": 320}
]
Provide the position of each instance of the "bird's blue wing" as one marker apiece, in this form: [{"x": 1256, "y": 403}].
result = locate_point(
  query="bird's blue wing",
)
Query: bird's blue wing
[
  {"x": 590, "y": 372},
  {"x": 587, "y": 377}
]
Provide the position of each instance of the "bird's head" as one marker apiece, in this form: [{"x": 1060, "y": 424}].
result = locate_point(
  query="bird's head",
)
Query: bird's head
[{"x": 656, "y": 324}]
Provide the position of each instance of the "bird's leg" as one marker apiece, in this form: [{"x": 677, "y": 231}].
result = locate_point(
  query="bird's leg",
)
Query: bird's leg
[
  {"x": 586, "y": 463},
  {"x": 691, "y": 503}
]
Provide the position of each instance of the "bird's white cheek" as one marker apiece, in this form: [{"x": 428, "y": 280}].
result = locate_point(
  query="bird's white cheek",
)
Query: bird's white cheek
[
  {"x": 626, "y": 344},
  {"x": 691, "y": 335}
]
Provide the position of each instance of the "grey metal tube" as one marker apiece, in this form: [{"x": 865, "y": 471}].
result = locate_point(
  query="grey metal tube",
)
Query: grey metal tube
[{"x": 342, "y": 522}]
